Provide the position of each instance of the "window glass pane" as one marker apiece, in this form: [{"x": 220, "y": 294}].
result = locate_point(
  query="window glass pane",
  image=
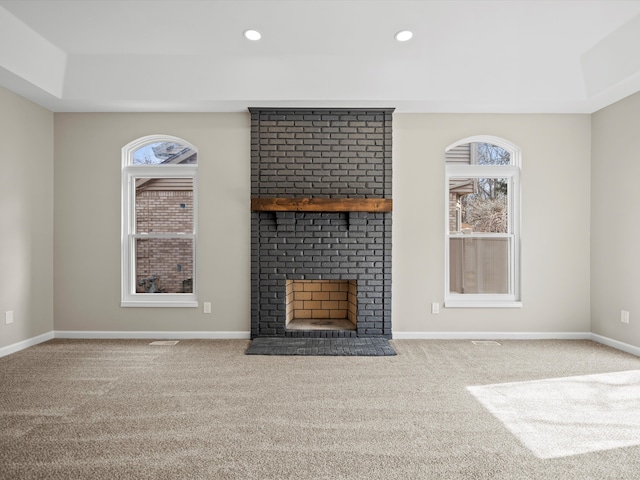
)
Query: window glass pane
[
  {"x": 477, "y": 154},
  {"x": 479, "y": 205},
  {"x": 165, "y": 153},
  {"x": 488, "y": 154},
  {"x": 164, "y": 205},
  {"x": 164, "y": 265},
  {"x": 479, "y": 265}
]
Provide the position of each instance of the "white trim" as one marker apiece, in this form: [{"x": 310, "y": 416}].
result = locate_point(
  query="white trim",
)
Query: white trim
[
  {"x": 245, "y": 335},
  {"x": 492, "y": 335},
  {"x": 512, "y": 172},
  {"x": 610, "y": 342},
  {"x": 129, "y": 297},
  {"x": 482, "y": 304},
  {"x": 103, "y": 334},
  {"x": 30, "y": 342},
  {"x": 164, "y": 304},
  {"x": 482, "y": 171}
]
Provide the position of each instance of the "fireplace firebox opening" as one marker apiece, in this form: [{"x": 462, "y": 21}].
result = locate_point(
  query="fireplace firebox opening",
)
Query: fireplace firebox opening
[{"x": 321, "y": 304}]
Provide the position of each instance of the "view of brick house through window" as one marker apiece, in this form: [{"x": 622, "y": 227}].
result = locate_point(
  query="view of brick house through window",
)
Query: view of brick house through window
[
  {"x": 159, "y": 222},
  {"x": 166, "y": 206}
]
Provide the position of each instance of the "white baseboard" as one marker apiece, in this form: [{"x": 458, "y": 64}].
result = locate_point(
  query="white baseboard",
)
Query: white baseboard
[
  {"x": 90, "y": 334},
  {"x": 625, "y": 347},
  {"x": 94, "y": 334},
  {"x": 492, "y": 335},
  {"x": 610, "y": 342},
  {"x": 30, "y": 342}
]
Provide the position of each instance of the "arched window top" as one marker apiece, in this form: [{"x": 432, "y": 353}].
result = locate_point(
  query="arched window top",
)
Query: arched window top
[
  {"x": 483, "y": 150},
  {"x": 157, "y": 150}
]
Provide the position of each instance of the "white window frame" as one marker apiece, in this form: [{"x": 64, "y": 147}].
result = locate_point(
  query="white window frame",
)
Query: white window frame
[
  {"x": 129, "y": 235},
  {"x": 512, "y": 173}
]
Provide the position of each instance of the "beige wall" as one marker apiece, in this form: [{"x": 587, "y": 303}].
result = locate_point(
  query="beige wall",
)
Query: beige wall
[
  {"x": 555, "y": 222},
  {"x": 87, "y": 220},
  {"x": 555, "y": 185},
  {"x": 26, "y": 219},
  {"x": 615, "y": 228}
]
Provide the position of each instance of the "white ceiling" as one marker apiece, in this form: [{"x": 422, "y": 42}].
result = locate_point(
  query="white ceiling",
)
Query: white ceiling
[{"x": 190, "y": 55}]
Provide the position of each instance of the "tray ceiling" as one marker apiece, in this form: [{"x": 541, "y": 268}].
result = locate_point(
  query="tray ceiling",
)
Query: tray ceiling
[{"x": 465, "y": 56}]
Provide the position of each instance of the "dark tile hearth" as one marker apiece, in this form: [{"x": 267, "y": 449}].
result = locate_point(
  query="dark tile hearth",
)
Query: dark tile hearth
[{"x": 362, "y": 347}]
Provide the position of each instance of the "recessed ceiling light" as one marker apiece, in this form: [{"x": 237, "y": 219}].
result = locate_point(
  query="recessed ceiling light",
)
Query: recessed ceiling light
[
  {"x": 404, "y": 35},
  {"x": 252, "y": 35}
]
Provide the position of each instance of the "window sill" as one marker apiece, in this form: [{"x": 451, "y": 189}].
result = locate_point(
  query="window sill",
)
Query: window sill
[
  {"x": 168, "y": 304},
  {"x": 480, "y": 304}
]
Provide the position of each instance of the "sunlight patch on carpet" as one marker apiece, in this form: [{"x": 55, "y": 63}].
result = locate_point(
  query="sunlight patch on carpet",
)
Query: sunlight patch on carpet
[{"x": 568, "y": 416}]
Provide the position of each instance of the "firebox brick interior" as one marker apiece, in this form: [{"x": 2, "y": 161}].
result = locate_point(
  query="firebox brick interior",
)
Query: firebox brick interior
[{"x": 321, "y": 222}]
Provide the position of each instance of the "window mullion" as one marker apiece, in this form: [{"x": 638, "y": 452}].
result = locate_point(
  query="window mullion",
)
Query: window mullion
[{"x": 164, "y": 235}]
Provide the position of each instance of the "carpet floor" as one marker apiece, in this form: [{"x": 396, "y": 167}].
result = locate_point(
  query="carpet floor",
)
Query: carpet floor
[{"x": 202, "y": 409}]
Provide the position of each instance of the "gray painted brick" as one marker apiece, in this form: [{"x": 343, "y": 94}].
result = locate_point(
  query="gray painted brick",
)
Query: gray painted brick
[{"x": 349, "y": 155}]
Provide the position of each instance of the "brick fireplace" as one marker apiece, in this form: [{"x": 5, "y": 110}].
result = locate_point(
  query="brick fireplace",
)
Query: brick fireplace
[{"x": 321, "y": 222}]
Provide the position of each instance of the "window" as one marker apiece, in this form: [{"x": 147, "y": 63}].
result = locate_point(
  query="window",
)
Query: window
[
  {"x": 159, "y": 212},
  {"x": 482, "y": 245}
]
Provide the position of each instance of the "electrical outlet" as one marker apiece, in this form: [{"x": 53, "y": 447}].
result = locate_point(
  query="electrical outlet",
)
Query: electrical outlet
[
  {"x": 207, "y": 307},
  {"x": 624, "y": 316},
  {"x": 435, "y": 308},
  {"x": 8, "y": 317}
]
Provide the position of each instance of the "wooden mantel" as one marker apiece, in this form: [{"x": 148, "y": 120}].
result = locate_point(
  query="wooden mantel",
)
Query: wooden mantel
[{"x": 321, "y": 204}]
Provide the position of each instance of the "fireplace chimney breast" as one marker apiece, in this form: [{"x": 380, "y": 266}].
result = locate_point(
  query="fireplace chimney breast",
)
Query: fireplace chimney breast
[{"x": 308, "y": 154}]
